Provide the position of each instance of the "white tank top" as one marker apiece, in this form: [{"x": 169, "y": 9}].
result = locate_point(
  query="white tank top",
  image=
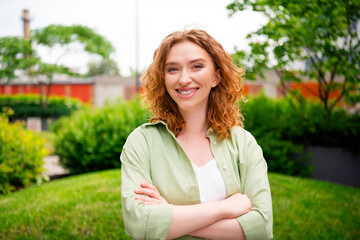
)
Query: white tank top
[{"x": 211, "y": 184}]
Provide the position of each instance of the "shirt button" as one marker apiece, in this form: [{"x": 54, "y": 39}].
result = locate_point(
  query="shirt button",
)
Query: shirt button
[
  {"x": 214, "y": 142},
  {"x": 224, "y": 167}
]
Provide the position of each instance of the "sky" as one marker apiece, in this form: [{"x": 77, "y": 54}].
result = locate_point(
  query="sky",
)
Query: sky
[{"x": 116, "y": 21}]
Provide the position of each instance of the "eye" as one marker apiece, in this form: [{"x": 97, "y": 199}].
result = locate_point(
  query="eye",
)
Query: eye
[
  {"x": 172, "y": 69},
  {"x": 198, "y": 66}
]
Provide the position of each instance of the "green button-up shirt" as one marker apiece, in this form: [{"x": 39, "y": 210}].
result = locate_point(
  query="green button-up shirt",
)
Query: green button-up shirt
[{"x": 152, "y": 154}]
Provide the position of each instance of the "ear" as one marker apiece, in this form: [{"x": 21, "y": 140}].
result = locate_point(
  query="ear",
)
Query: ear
[{"x": 216, "y": 79}]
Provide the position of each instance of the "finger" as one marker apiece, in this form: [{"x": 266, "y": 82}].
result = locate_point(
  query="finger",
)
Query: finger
[
  {"x": 142, "y": 198},
  {"x": 147, "y": 192},
  {"x": 147, "y": 200},
  {"x": 147, "y": 185}
]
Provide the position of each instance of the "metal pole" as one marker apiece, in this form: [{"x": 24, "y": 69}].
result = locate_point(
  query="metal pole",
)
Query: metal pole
[{"x": 137, "y": 83}]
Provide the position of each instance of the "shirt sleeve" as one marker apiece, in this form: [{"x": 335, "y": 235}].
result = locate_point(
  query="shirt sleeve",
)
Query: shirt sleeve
[
  {"x": 256, "y": 224},
  {"x": 141, "y": 221}
]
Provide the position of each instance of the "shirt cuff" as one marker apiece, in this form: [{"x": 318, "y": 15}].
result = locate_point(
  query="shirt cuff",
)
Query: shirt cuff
[
  {"x": 159, "y": 215},
  {"x": 253, "y": 225}
]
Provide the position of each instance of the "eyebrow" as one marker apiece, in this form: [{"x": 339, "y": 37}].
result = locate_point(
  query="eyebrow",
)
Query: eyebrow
[{"x": 192, "y": 61}]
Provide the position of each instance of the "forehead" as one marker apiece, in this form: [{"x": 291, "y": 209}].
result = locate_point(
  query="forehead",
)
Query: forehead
[{"x": 186, "y": 51}]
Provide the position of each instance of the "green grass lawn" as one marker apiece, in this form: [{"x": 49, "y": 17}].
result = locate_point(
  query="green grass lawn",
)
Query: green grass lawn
[{"x": 88, "y": 206}]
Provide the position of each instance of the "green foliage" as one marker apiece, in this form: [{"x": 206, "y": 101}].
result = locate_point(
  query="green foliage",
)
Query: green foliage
[
  {"x": 92, "y": 139},
  {"x": 325, "y": 33},
  {"x": 283, "y": 127},
  {"x": 88, "y": 206},
  {"x": 105, "y": 67},
  {"x": 268, "y": 120},
  {"x": 64, "y": 35},
  {"x": 18, "y": 54},
  {"x": 21, "y": 154},
  {"x": 15, "y": 54},
  {"x": 30, "y": 106}
]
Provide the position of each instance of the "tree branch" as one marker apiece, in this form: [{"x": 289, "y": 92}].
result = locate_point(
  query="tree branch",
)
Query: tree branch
[
  {"x": 318, "y": 70},
  {"x": 283, "y": 88},
  {"x": 343, "y": 90}
]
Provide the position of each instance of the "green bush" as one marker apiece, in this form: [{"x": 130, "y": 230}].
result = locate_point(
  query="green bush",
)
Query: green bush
[
  {"x": 29, "y": 105},
  {"x": 267, "y": 120},
  {"x": 341, "y": 129},
  {"x": 92, "y": 139},
  {"x": 283, "y": 127},
  {"x": 21, "y": 154}
]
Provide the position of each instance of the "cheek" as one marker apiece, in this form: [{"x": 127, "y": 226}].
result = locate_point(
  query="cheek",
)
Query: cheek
[
  {"x": 170, "y": 80},
  {"x": 168, "y": 83},
  {"x": 207, "y": 78}
]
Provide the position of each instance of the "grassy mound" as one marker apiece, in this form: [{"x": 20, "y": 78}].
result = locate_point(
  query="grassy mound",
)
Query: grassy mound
[{"x": 88, "y": 206}]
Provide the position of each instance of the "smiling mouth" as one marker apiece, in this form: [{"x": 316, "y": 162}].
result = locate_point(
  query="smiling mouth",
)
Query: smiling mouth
[{"x": 186, "y": 92}]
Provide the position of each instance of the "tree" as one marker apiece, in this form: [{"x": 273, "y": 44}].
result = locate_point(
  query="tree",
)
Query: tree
[
  {"x": 18, "y": 55},
  {"x": 104, "y": 67},
  {"x": 323, "y": 33}
]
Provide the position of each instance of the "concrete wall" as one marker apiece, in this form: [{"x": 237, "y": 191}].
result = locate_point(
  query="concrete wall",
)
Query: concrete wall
[
  {"x": 335, "y": 165},
  {"x": 269, "y": 85},
  {"x": 108, "y": 88}
]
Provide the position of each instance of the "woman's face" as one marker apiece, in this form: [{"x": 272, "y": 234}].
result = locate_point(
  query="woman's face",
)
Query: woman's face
[{"x": 189, "y": 76}]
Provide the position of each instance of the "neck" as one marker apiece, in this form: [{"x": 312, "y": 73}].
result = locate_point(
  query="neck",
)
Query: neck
[{"x": 196, "y": 123}]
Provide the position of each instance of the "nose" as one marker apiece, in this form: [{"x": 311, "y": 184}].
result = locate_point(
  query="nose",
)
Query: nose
[{"x": 185, "y": 78}]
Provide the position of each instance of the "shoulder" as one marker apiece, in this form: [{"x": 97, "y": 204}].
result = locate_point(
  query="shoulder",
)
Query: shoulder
[
  {"x": 246, "y": 145},
  {"x": 241, "y": 136},
  {"x": 144, "y": 134},
  {"x": 244, "y": 141}
]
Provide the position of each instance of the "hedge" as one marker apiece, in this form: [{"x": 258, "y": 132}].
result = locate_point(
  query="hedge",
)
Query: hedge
[
  {"x": 92, "y": 139},
  {"x": 283, "y": 127},
  {"x": 29, "y": 105}
]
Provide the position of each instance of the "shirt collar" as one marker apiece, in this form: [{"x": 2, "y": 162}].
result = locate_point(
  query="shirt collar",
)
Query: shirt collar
[{"x": 210, "y": 131}]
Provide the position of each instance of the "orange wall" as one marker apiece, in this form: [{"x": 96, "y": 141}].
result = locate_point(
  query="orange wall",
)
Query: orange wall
[
  {"x": 84, "y": 92},
  {"x": 311, "y": 90},
  {"x": 58, "y": 90},
  {"x": 26, "y": 89},
  {"x": 9, "y": 90}
]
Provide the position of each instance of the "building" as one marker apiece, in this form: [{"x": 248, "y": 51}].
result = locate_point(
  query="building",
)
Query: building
[{"x": 94, "y": 90}]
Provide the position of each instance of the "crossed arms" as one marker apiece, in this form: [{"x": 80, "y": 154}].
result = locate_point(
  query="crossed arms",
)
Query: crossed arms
[{"x": 215, "y": 220}]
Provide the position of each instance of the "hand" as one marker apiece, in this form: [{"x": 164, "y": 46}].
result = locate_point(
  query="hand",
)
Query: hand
[
  {"x": 237, "y": 205},
  {"x": 152, "y": 197}
]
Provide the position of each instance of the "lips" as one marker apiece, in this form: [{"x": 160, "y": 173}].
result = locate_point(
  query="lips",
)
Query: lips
[{"x": 186, "y": 92}]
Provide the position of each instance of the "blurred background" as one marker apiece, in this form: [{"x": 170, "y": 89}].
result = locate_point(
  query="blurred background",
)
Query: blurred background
[
  {"x": 70, "y": 95},
  {"x": 121, "y": 22}
]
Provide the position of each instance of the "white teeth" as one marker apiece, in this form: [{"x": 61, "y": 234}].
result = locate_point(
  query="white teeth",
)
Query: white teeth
[{"x": 188, "y": 92}]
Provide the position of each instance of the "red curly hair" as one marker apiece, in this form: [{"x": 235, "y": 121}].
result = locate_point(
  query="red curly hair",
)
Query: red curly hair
[{"x": 223, "y": 111}]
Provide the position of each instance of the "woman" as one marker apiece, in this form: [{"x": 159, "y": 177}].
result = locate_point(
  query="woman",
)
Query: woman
[{"x": 193, "y": 171}]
